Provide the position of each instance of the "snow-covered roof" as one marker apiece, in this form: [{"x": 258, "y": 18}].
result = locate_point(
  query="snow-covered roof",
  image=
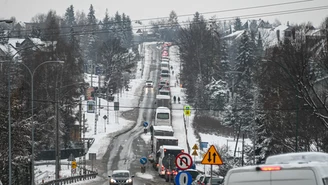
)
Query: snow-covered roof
[
  {"x": 171, "y": 147},
  {"x": 163, "y": 128},
  {"x": 163, "y": 110},
  {"x": 13, "y": 41},
  {"x": 313, "y": 32},
  {"x": 165, "y": 97},
  {"x": 235, "y": 34},
  {"x": 166, "y": 137},
  {"x": 301, "y": 156}
]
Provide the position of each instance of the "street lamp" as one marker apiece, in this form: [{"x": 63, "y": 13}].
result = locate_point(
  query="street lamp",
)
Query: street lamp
[
  {"x": 32, "y": 107},
  {"x": 9, "y": 112}
]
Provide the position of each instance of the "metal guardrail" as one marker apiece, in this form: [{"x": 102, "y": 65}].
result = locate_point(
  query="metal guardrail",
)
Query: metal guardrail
[{"x": 74, "y": 179}]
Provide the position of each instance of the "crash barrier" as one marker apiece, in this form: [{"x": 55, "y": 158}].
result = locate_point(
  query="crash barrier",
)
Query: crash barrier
[{"x": 68, "y": 180}]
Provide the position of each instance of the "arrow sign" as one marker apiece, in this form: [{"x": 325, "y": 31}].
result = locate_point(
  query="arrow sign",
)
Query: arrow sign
[
  {"x": 145, "y": 124},
  {"x": 143, "y": 160},
  {"x": 183, "y": 161},
  {"x": 212, "y": 157}
]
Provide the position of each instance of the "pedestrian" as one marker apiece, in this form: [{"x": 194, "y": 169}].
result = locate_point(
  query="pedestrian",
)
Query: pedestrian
[
  {"x": 172, "y": 72},
  {"x": 174, "y": 99},
  {"x": 179, "y": 100},
  {"x": 171, "y": 67}
]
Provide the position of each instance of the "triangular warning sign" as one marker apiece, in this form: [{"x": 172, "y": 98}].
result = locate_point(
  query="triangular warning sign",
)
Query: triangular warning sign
[
  {"x": 212, "y": 157},
  {"x": 194, "y": 153},
  {"x": 195, "y": 147}
]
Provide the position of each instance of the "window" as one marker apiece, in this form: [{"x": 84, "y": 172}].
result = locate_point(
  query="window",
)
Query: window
[
  {"x": 325, "y": 181},
  {"x": 123, "y": 174},
  {"x": 163, "y": 115}
]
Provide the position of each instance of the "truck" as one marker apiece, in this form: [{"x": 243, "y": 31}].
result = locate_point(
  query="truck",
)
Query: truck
[
  {"x": 165, "y": 155},
  {"x": 162, "y": 131},
  {"x": 156, "y": 143},
  {"x": 163, "y": 101}
]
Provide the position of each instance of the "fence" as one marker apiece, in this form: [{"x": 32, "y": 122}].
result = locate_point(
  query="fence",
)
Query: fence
[{"x": 74, "y": 179}]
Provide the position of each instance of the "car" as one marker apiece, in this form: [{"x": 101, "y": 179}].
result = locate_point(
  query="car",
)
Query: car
[
  {"x": 149, "y": 83},
  {"x": 121, "y": 177},
  {"x": 198, "y": 179},
  {"x": 216, "y": 180}
]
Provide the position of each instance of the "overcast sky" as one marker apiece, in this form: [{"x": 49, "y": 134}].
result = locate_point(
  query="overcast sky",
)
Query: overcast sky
[{"x": 24, "y": 10}]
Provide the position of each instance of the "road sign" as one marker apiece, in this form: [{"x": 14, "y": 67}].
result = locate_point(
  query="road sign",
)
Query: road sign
[
  {"x": 105, "y": 117},
  {"x": 116, "y": 106},
  {"x": 183, "y": 178},
  {"x": 212, "y": 157},
  {"x": 90, "y": 106},
  {"x": 203, "y": 145},
  {"x": 194, "y": 153},
  {"x": 145, "y": 124},
  {"x": 74, "y": 164},
  {"x": 183, "y": 161},
  {"x": 195, "y": 147},
  {"x": 186, "y": 110},
  {"x": 143, "y": 160}
]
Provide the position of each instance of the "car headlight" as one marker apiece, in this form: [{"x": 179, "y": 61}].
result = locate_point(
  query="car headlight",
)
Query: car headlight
[
  {"x": 112, "y": 181},
  {"x": 129, "y": 180}
]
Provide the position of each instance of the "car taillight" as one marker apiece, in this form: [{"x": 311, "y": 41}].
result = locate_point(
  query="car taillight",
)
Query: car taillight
[
  {"x": 168, "y": 172},
  {"x": 163, "y": 167},
  {"x": 157, "y": 165},
  {"x": 175, "y": 173},
  {"x": 268, "y": 168}
]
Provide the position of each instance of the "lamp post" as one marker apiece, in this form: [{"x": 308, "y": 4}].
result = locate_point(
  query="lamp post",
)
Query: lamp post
[
  {"x": 9, "y": 112},
  {"x": 297, "y": 101},
  {"x": 32, "y": 108}
]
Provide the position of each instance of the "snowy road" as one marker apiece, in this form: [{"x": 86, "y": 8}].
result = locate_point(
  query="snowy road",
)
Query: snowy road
[{"x": 128, "y": 148}]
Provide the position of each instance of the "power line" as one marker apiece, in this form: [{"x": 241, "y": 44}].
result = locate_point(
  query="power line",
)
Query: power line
[
  {"x": 148, "y": 27},
  {"x": 184, "y": 15}
]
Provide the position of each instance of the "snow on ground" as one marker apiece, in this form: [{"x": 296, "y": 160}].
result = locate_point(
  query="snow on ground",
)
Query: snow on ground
[
  {"x": 144, "y": 175},
  {"x": 177, "y": 109},
  {"x": 178, "y": 126},
  {"x": 146, "y": 137},
  {"x": 127, "y": 99}
]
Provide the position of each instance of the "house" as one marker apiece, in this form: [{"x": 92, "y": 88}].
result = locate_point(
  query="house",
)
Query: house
[
  {"x": 36, "y": 43},
  {"x": 18, "y": 30},
  {"x": 7, "y": 51}
]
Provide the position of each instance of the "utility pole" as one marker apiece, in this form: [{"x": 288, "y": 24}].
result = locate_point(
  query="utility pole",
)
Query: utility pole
[
  {"x": 99, "y": 89},
  {"x": 57, "y": 135},
  {"x": 80, "y": 118},
  {"x": 84, "y": 161},
  {"x": 242, "y": 150}
]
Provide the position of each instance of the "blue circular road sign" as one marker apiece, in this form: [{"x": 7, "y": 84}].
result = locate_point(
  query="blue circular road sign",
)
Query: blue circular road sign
[
  {"x": 183, "y": 178},
  {"x": 145, "y": 124},
  {"x": 143, "y": 160}
]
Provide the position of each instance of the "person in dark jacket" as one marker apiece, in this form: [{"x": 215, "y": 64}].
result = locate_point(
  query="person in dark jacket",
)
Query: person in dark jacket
[
  {"x": 174, "y": 99},
  {"x": 179, "y": 100}
]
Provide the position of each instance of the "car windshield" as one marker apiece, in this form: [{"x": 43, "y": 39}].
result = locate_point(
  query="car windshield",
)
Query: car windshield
[
  {"x": 163, "y": 116},
  {"x": 121, "y": 174},
  {"x": 165, "y": 75},
  {"x": 149, "y": 81}
]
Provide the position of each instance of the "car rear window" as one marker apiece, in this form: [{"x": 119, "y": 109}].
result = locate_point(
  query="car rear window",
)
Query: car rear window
[
  {"x": 193, "y": 174},
  {"x": 216, "y": 181}
]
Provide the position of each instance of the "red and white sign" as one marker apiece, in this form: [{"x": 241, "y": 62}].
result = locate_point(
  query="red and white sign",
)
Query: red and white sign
[{"x": 183, "y": 161}]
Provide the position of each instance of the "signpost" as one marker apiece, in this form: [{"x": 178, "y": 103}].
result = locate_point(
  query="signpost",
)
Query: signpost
[
  {"x": 183, "y": 161},
  {"x": 194, "y": 153},
  {"x": 212, "y": 157},
  {"x": 183, "y": 178},
  {"x": 105, "y": 117},
  {"x": 145, "y": 124},
  {"x": 186, "y": 110},
  {"x": 143, "y": 160},
  {"x": 90, "y": 106}
]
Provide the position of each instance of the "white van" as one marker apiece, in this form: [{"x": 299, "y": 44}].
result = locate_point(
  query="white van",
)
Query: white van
[
  {"x": 303, "y": 168},
  {"x": 162, "y": 116}
]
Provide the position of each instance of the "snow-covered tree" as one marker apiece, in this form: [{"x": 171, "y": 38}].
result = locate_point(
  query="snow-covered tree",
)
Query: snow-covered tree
[{"x": 237, "y": 24}]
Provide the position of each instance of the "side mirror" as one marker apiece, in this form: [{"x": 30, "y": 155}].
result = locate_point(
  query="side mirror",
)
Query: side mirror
[
  {"x": 132, "y": 176},
  {"x": 109, "y": 176}
]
